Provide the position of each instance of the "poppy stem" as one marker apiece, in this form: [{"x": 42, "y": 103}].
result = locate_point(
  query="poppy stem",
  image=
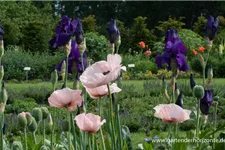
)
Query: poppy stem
[
  {"x": 214, "y": 124},
  {"x": 1, "y": 127},
  {"x": 73, "y": 131},
  {"x": 198, "y": 117},
  {"x": 99, "y": 111},
  {"x": 43, "y": 131},
  {"x": 69, "y": 137},
  {"x": 111, "y": 119}
]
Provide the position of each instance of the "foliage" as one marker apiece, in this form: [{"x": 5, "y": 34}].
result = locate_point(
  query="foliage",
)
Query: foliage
[
  {"x": 171, "y": 23},
  {"x": 89, "y": 24},
  {"x": 140, "y": 32},
  {"x": 200, "y": 26},
  {"x": 25, "y": 23},
  {"x": 96, "y": 46},
  {"x": 191, "y": 40},
  {"x": 18, "y": 106},
  {"x": 41, "y": 65}
]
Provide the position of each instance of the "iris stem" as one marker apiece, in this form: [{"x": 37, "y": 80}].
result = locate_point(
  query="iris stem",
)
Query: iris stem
[
  {"x": 66, "y": 73},
  {"x": 214, "y": 124},
  {"x": 111, "y": 119}
]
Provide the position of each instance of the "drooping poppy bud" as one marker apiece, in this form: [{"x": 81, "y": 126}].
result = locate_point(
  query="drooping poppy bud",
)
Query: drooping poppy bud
[
  {"x": 29, "y": 118},
  {"x": 192, "y": 81},
  {"x": 16, "y": 145},
  {"x": 198, "y": 91},
  {"x": 37, "y": 114},
  {"x": 33, "y": 126},
  {"x": 45, "y": 112},
  {"x": 22, "y": 121}
]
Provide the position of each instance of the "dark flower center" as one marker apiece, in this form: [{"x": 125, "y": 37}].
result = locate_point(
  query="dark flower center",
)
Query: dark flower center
[{"x": 105, "y": 73}]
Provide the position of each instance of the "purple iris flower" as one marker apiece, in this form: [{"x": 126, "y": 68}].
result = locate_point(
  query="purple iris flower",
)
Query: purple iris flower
[
  {"x": 74, "y": 59},
  {"x": 206, "y": 101},
  {"x": 64, "y": 32},
  {"x": 173, "y": 50},
  {"x": 211, "y": 27},
  {"x": 113, "y": 31},
  {"x": 79, "y": 32},
  {"x": 1, "y": 32},
  {"x": 171, "y": 34}
]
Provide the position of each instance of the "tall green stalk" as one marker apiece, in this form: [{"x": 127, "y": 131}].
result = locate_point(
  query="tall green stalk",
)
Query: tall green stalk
[
  {"x": 73, "y": 131},
  {"x": 99, "y": 108},
  {"x": 43, "y": 131},
  {"x": 66, "y": 74},
  {"x": 1, "y": 132},
  {"x": 69, "y": 137},
  {"x": 25, "y": 138},
  {"x": 198, "y": 117},
  {"x": 111, "y": 119},
  {"x": 214, "y": 124}
]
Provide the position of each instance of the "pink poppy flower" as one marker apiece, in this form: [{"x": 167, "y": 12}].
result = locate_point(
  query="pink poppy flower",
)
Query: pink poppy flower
[
  {"x": 172, "y": 113},
  {"x": 66, "y": 98},
  {"x": 148, "y": 53},
  {"x": 89, "y": 122},
  {"x": 102, "y": 90},
  {"x": 102, "y": 72}
]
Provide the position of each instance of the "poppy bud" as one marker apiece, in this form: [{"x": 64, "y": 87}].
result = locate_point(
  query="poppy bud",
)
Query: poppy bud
[
  {"x": 37, "y": 114},
  {"x": 29, "y": 118},
  {"x": 44, "y": 148},
  {"x": 65, "y": 125},
  {"x": 33, "y": 126},
  {"x": 45, "y": 112},
  {"x": 54, "y": 77},
  {"x": 82, "y": 47},
  {"x": 198, "y": 91},
  {"x": 22, "y": 121},
  {"x": 16, "y": 145}
]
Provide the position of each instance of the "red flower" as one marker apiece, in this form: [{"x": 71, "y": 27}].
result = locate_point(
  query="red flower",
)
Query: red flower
[
  {"x": 194, "y": 52},
  {"x": 148, "y": 53},
  {"x": 142, "y": 44},
  {"x": 201, "y": 49}
]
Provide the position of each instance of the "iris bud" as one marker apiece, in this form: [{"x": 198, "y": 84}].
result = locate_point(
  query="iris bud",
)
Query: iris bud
[
  {"x": 22, "y": 121},
  {"x": 54, "y": 77},
  {"x": 37, "y": 114},
  {"x": 16, "y": 145},
  {"x": 82, "y": 47},
  {"x": 210, "y": 73},
  {"x": 33, "y": 126},
  {"x": 198, "y": 91},
  {"x": 67, "y": 48}
]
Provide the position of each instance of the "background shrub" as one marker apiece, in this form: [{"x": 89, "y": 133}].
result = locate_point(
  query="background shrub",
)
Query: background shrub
[{"x": 42, "y": 64}]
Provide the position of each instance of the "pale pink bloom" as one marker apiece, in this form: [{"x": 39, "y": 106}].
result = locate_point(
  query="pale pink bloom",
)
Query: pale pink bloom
[
  {"x": 66, "y": 98},
  {"x": 102, "y": 90},
  {"x": 102, "y": 72},
  {"x": 171, "y": 113},
  {"x": 89, "y": 122}
]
